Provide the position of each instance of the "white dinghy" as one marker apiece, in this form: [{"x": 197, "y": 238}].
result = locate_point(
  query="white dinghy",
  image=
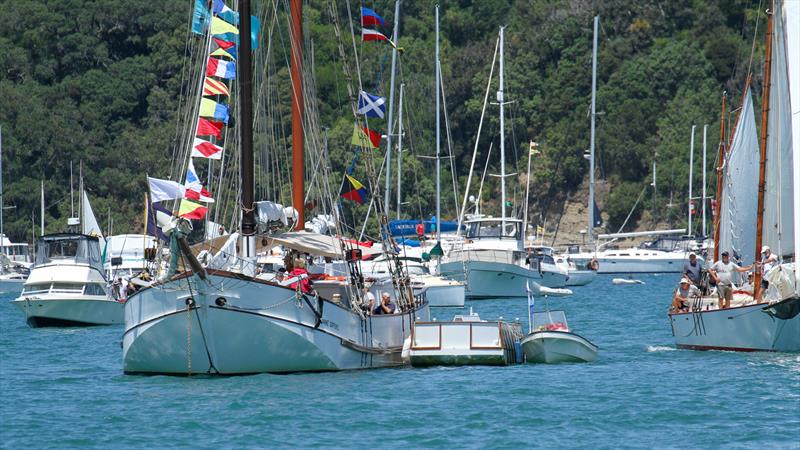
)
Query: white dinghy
[
  {"x": 619, "y": 281},
  {"x": 551, "y": 341}
]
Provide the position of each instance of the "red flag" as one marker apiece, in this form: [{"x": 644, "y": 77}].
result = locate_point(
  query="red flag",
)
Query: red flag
[
  {"x": 207, "y": 127},
  {"x": 372, "y": 35}
]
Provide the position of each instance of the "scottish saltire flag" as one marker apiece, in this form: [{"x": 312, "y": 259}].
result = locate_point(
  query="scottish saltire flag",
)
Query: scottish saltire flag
[
  {"x": 370, "y": 18},
  {"x": 207, "y": 127},
  {"x": 194, "y": 187},
  {"x": 204, "y": 149},
  {"x": 192, "y": 210},
  {"x": 353, "y": 190},
  {"x": 222, "y": 11},
  {"x": 223, "y": 48},
  {"x": 364, "y": 137},
  {"x": 372, "y": 35},
  {"x": 371, "y": 105},
  {"x": 214, "y": 110},
  {"x": 222, "y": 69},
  {"x": 161, "y": 190},
  {"x": 215, "y": 87}
]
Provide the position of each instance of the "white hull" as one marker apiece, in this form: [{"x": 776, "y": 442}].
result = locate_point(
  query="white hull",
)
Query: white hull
[
  {"x": 260, "y": 327},
  {"x": 461, "y": 343},
  {"x": 581, "y": 277},
  {"x": 69, "y": 311},
  {"x": 626, "y": 261},
  {"x": 745, "y": 328},
  {"x": 553, "y": 276},
  {"x": 491, "y": 279},
  {"x": 557, "y": 347}
]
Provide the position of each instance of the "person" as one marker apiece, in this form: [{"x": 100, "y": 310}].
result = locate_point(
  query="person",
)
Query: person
[
  {"x": 693, "y": 269},
  {"x": 748, "y": 286},
  {"x": 529, "y": 258},
  {"x": 680, "y": 301},
  {"x": 300, "y": 270},
  {"x": 386, "y": 306},
  {"x": 369, "y": 300},
  {"x": 116, "y": 286},
  {"x": 768, "y": 261},
  {"x": 723, "y": 273}
]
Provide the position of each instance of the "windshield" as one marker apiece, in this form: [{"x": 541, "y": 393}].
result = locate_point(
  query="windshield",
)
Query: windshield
[
  {"x": 78, "y": 248},
  {"x": 18, "y": 250},
  {"x": 544, "y": 320},
  {"x": 493, "y": 229}
]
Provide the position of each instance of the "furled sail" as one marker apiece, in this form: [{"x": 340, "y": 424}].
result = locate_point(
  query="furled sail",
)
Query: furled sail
[
  {"x": 738, "y": 204},
  {"x": 779, "y": 208}
]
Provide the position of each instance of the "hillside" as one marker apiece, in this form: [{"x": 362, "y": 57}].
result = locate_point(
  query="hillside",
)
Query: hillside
[{"x": 100, "y": 81}]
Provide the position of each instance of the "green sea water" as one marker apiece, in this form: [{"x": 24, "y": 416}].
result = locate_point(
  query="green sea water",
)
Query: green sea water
[{"x": 64, "y": 387}]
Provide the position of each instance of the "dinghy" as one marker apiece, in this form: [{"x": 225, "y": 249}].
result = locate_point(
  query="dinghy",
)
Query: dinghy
[{"x": 626, "y": 281}]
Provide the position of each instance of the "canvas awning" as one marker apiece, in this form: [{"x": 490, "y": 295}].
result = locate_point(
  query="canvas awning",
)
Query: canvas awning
[{"x": 302, "y": 241}]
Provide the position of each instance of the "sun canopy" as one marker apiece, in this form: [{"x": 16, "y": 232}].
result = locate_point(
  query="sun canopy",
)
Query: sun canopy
[{"x": 317, "y": 244}]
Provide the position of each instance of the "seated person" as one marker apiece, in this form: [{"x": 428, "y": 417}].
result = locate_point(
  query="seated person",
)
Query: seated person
[
  {"x": 299, "y": 270},
  {"x": 680, "y": 302},
  {"x": 386, "y": 306},
  {"x": 368, "y": 301},
  {"x": 748, "y": 286}
]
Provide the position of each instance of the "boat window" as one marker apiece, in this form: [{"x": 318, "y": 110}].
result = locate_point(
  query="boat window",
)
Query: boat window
[
  {"x": 493, "y": 229},
  {"x": 68, "y": 287},
  {"x": 541, "y": 320},
  {"x": 80, "y": 248},
  {"x": 417, "y": 270},
  {"x": 36, "y": 288},
  {"x": 94, "y": 289}
]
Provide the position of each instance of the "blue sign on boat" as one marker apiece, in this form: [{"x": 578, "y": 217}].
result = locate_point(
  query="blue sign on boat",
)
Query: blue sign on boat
[{"x": 409, "y": 227}]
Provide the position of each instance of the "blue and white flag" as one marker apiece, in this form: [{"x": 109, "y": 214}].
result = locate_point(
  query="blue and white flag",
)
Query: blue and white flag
[{"x": 371, "y": 105}]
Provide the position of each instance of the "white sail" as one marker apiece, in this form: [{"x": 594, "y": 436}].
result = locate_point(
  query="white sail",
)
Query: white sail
[
  {"x": 779, "y": 202},
  {"x": 89, "y": 222},
  {"x": 792, "y": 17},
  {"x": 738, "y": 204}
]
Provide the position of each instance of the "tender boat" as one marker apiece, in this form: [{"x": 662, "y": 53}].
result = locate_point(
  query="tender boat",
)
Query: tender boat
[
  {"x": 466, "y": 340},
  {"x": 551, "y": 341},
  {"x": 619, "y": 281},
  {"x": 67, "y": 286}
]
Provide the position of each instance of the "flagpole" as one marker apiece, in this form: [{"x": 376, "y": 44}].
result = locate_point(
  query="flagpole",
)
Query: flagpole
[
  {"x": 390, "y": 117},
  {"x": 438, "y": 137},
  {"x": 590, "y": 230},
  {"x": 501, "y": 101},
  {"x": 691, "y": 165}
]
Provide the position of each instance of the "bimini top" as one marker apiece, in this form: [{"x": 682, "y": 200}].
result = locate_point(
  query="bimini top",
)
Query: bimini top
[
  {"x": 491, "y": 227},
  {"x": 68, "y": 248}
]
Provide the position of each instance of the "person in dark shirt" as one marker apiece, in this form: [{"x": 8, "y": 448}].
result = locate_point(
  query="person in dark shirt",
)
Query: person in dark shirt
[
  {"x": 693, "y": 269},
  {"x": 386, "y": 306}
]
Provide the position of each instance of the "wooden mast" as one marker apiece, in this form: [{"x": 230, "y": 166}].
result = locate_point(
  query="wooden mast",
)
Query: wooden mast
[
  {"x": 298, "y": 188},
  {"x": 763, "y": 149},
  {"x": 246, "y": 134},
  {"x": 721, "y": 164}
]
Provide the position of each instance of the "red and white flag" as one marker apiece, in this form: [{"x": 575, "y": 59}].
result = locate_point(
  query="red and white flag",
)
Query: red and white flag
[
  {"x": 372, "y": 35},
  {"x": 205, "y": 149},
  {"x": 194, "y": 187}
]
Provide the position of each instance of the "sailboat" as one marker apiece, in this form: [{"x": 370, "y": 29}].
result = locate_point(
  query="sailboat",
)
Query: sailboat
[
  {"x": 223, "y": 319},
  {"x": 14, "y": 259},
  {"x": 67, "y": 285},
  {"x": 491, "y": 260},
  {"x": 761, "y": 319}
]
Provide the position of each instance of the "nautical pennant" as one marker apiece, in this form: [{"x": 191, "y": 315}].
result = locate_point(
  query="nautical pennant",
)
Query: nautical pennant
[
  {"x": 353, "y": 190},
  {"x": 194, "y": 187},
  {"x": 215, "y": 87},
  {"x": 210, "y": 108},
  {"x": 364, "y": 137},
  {"x": 222, "y": 69},
  {"x": 534, "y": 148},
  {"x": 192, "y": 210},
  {"x": 204, "y": 149},
  {"x": 372, "y": 35},
  {"x": 221, "y": 10},
  {"x": 222, "y": 48},
  {"x": 370, "y": 18},
  {"x": 207, "y": 127},
  {"x": 371, "y": 105},
  {"x": 219, "y": 26}
]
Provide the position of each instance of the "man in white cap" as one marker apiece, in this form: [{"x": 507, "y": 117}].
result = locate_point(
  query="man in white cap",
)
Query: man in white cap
[
  {"x": 680, "y": 301},
  {"x": 768, "y": 261}
]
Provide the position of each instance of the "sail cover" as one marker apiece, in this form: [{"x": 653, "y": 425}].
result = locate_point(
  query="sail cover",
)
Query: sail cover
[
  {"x": 778, "y": 199},
  {"x": 738, "y": 206}
]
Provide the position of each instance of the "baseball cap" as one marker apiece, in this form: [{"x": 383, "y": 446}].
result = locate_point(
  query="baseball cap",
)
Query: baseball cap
[
  {"x": 725, "y": 254},
  {"x": 765, "y": 249},
  {"x": 692, "y": 254},
  {"x": 685, "y": 280}
]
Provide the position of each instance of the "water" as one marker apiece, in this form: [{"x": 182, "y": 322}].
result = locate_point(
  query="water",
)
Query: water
[{"x": 65, "y": 388}]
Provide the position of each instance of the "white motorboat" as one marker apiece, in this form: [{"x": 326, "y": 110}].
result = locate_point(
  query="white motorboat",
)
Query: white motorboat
[
  {"x": 766, "y": 319},
  {"x": 551, "y": 341},
  {"x": 466, "y": 340},
  {"x": 14, "y": 265},
  {"x": 553, "y": 274},
  {"x": 125, "y": 255},
  {"x": 577, "y": 276},
  {"x": 664, "y": 255},
  {"x": 66, "y": 286},
  {"x": 11, "y": 282}
]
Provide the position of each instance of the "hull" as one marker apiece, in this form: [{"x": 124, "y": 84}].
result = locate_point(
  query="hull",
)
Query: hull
[
  {"x": 230, "y": 324},
  {"x": 751, "y": 328},
  {"x": 465, "y": 343},
  {"x": 657, "y": 263},
  {"x": 581, "y": 277},
  {"x": 44, "y": 312},
  {"x": 11, "y": 286},
  {"x": 554, "y": 278},
  {"x": 552, "y": 347},
  {"x": 485, "y": 280}
]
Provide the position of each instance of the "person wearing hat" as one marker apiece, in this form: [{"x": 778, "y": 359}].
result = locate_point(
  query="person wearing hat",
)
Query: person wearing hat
[
  {"x": 768, "y": 261},
  {"x": 693, "y": 269},
  {"x": 723, "y": 273},
  {"x": 680, "y": 302}
]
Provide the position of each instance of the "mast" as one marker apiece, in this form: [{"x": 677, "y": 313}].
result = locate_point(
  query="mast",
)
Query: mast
[
  {"x": 501, "y": 100},
  {"x": 245, "y": 74},
  {"x": 2, "y": 203},
  {"x": 705, "y": 135},
  {"x": 390, "y": 117},
  {"x": 590, "y": 230},
  {"x": 298, "y": 181},
  {"x": 721, "y": 162},
  {"x": 399, "y": 149},
  {"x": 762, "y": 163},
  {"x": 438, "y": 137},
  {"x": 41, "y": 218},
  {"x": 691, "y": 167}
]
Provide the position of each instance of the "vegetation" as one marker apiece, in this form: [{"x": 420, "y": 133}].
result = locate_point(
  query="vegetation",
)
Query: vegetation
[{"x": 100, "y": 81}]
